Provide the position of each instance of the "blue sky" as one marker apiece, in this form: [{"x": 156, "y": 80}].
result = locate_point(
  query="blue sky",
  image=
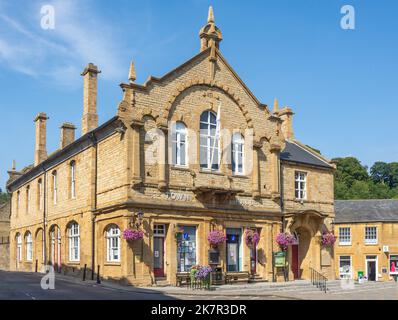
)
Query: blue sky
[{"x": 342, "y": 84}]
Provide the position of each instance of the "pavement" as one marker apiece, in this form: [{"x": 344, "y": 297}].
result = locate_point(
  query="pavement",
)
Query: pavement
[{"x": 26, "y": 286}]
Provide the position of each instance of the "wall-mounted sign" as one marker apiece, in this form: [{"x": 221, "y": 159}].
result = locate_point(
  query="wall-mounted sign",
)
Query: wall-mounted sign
[
  {"x": 386, "y": 249},
  {"x": 280, "y": 259}
]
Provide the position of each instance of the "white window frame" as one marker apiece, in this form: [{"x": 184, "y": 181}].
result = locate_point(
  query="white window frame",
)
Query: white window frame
[
  {"x": 40, "y": 194},
  {"x": 27, "y": 199},
  {"x": 300, "y": 192},
  {"x": 19, "y": 247},
  {"x": 368, "y": 233},
  {"x": 343, "y": 275},
  {"x": 74, "y": 242},
  {"x": 208, "y": 134},
  {"x": 73, "y": 180},
  {"x": 159, "y": 230},
  {"x": 179, "y": 140},
  {"x": 389, "y": 264},
  {"x": 29, "y": 247},
  {"x": 344, "y": 236},
  {"x": 238, "y": 141},
  {"x": 55, "y": 187},
  {"x": 113, "y": 244}
]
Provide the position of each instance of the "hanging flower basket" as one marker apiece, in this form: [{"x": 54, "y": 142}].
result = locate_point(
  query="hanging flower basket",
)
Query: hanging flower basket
[
  {"x": 284, "y": 240},
  {"x": 251, "y": 238},
  {"x": 216, "y": 237},
  {"x": 328, "y": 239},
  {"x": 131, "y": 235}
]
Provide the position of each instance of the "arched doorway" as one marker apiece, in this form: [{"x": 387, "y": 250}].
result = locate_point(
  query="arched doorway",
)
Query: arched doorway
[
  {"x": 301, "y": 255},
  {"x": 55, "y": 247},
  {"x": 306, "y": 254},
  {"x": 39, "y": 248}
]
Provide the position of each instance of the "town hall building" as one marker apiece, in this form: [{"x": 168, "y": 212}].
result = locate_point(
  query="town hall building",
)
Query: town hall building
[{"x": 188, "y": 153}]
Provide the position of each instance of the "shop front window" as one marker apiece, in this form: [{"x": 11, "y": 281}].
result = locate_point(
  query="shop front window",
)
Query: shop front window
[
  {"x": 186, "y": 249},
  {"x": 394, "y": 264},
  {"x": 345, "y": 267},
  {"x": 234, "y": 254}
]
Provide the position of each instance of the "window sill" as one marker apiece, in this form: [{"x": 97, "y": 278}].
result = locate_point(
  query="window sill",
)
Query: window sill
[
  {"x": 300, "y": 200},
  {"x": 217, "y": 173},
  {"x": 240, "y": 176},
  {"x": 73, "y": 263},
  {"x": 345, "y": 244},
  {"x": 371, "y": 244},
  {"x": 180, "y": 168},
  {"x": 112, "y": 264}
]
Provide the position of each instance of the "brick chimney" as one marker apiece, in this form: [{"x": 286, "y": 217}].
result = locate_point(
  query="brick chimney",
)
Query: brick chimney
[
  {"x": 90, "y": 116},
  {"x": 41, "y": 137},
  {"x": 286, "y": 115},
  {"x": 67, "y": 134}
]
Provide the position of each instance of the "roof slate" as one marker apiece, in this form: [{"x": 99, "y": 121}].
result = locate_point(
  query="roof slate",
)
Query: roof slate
[
  {"x": 294, "y": 153},
  {"x": 366, "y": 211}
]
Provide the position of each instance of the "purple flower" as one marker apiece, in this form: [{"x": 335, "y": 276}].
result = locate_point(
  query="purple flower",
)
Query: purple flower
[
  {"x": 216, "y": 237},
  {"x": 328, "y": 239},
  {"x": 202, "y": 272},
  {"x": 131, "y": 235},
  {"x": 284, "y": 240},
  {"x": 251, "y": 238}
]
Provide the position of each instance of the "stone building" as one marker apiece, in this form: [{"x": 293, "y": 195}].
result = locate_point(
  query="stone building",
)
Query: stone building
[
  {"x": 5, "y": 212},
  {"x": 367, "y": 240},
  {"x": 187, "y": 153}
]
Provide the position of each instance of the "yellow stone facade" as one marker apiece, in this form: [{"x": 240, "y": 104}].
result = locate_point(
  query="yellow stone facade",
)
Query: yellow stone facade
[
  {"x": 381, "y": 253},
  {"x": 119, "y": 171}
]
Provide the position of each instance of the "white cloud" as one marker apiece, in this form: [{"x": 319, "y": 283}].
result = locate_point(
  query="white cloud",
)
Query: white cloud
[{"x": 79, "y": 37}]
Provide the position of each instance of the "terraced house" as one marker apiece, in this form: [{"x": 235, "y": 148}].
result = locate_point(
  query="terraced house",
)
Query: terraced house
[{"x": 187, "y": 153}]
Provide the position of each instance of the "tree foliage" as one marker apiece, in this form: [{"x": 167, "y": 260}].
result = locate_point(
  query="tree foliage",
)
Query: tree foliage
[
  {"x": 3, "y": 197},
  {"x": 353, "y": 181}
]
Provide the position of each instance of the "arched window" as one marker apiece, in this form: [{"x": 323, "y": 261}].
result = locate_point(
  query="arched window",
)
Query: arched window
[
  {"x": 73, "y": 179},
  {"x": 238, "y": 143},
  {"x": 113, "y": 244},
  {"x": 27, "y": 199},
  {"x": 55, "y": 186},
  {"x": 74, "y": 242},
  {"x": 179, "y": 148},
  {"x": 209, "y": 142},
  {"x": 29, "y": 247},
  {"x": 40, "y": 194},
  {"x": 19, "y": 247}
]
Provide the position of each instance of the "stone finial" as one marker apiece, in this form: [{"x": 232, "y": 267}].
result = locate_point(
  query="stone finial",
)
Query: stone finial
[
  {"x": 210, "y": 18},
  {"x": 14, "y": 165},
  {"x": 210, "y": 35},
  {"x": 286, "y": 115},
  {"x": 132, "y": 74},
  {"x": 276, "y": 106}
]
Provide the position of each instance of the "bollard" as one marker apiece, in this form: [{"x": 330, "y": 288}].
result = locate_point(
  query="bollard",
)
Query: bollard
[
  {"x": 36, "y": 266},
  {"x": 84, "y": 272},
  {"x": 98, "y": 275}
]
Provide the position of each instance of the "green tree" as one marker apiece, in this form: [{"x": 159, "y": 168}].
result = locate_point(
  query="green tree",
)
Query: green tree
[
  {"x": 341, "y": 191},
  {"x": 360, "y": 190},
  {"x": 380, "y": 172},
  {"x": 3, "y": 196},
  {"x": 350, "y": 170},
  {"x": 393, "y": 174},
  {"x": 379, "y": 190}
]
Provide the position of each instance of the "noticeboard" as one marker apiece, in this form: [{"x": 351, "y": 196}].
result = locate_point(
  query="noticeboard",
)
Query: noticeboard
[{"x": 280, "y": 259}]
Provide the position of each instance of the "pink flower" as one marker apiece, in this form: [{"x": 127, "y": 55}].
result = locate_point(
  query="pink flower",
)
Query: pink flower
[
  {"x": 285, "y": 239},
  {"x": 328, "y": 239},
  {"x": 131, "y": 235},
  {"x": 216, "y": 237},
  {"x": 252, "y": 238}
]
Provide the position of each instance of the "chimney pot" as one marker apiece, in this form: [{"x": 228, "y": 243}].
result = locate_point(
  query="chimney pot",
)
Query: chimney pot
[
  {"x": 67, "y": 134},
  {"x": 286, "y": 115},
  {"x": 90, "y": 116},
  {"x": 41, "y": 138}
]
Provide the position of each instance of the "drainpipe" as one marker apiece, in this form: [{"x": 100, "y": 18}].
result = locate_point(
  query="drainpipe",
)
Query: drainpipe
[
  {"x": 282, "y": 193},
  {"x": 94, "y": 206}
]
